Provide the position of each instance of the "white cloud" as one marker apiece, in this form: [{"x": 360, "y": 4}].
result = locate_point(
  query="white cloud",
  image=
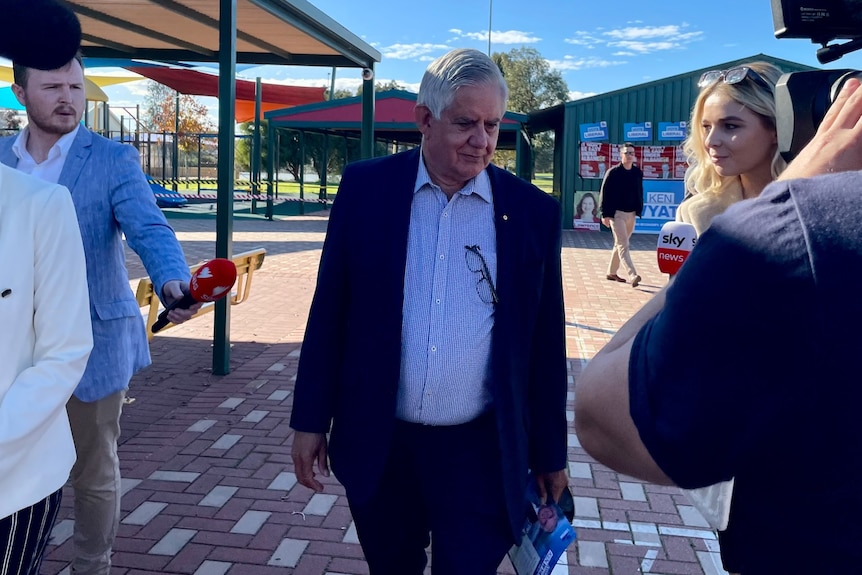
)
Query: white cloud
[
  {"x": 570, "y": 63},
  {"x": 582, "y": 38},
  {"x": 649, "y": 39},
  {"x": 641, "y": 33},
  {"x": 137, "y": 88},
  {"x": 645, "y": 47},
  {"x": 637, "y": 40},
  {"x": 576, "y": 95},
  {"x": 409, "y": 51},
  {"x": 497, "y": 36}
]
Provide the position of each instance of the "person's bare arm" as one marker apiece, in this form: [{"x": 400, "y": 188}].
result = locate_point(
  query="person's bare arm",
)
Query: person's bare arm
[{"x": 602, "y": 419}]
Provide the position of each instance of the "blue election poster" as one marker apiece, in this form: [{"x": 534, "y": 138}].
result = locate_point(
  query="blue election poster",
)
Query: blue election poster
[
  {"x": 672, "y": 130},
  {"x": 594, "y": 132},
  {"x": 637, "y": 132},
  {"x": 661, "y": 198}
]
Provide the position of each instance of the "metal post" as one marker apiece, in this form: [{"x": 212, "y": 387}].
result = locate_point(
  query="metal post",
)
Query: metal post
[
  {"x": 269, "y": 155},
  {"x": 199, "y": 164},
  {"x": 302, "y": 172},
  {"x": 224, "y": 202},
  {"x": 367, "y": 142},
  {"x": 256, "y": 147},
  {"x": 490, "y": 13},
  {"x": 176, "y": 159}
]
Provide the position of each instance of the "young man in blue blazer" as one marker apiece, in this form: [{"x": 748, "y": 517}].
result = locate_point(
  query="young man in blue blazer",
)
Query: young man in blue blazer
[
  {"x": 435, "y": 346},
  {"x": 111, "y": 199}
]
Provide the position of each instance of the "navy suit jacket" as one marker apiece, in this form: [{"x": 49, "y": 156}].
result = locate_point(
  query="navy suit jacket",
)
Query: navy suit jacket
[
  {"x": 112, "y": 199},
  {"x": 350, "y": 362}
]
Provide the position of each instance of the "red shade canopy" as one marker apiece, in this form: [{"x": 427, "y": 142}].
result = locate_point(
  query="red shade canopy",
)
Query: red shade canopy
[{"x": 192, "y": 82}]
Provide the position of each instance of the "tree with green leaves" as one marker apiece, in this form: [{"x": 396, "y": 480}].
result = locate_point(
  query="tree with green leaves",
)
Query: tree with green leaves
[
  {"x": 382, "y": 87},
  {"x": 533, "y": 85}
]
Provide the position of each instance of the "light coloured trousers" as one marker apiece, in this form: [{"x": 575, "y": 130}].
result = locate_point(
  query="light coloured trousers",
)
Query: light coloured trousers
[
  {"x": 95, "y": 481},
  {"x": 622, "y": 225}
]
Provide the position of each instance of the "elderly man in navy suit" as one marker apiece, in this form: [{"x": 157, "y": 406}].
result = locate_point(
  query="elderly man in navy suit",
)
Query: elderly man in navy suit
[
  {"x": 111, "y": 198},
  {"x": 435, "y": 345}
]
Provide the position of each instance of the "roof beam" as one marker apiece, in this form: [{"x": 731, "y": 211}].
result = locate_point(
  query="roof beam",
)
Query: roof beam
[
  {"x": 258, "y": 58},
  {"x": 311, "y": 21},
  {"x": 122, "y": 48},
  {"x": 183, "y": 10},
  {"x": 131, "y": 27}
]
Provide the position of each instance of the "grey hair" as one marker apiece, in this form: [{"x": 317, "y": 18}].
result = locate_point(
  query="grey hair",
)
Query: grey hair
[{"x": 456, "y": 69}]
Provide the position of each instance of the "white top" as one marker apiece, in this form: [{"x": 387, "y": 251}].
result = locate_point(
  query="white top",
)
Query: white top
[
  {"x": 46, "y": 336},
  {"x": 50, "y": 169}
]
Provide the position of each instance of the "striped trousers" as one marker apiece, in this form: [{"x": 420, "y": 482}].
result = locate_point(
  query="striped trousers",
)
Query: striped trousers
[{"x": 24, "y": 535}]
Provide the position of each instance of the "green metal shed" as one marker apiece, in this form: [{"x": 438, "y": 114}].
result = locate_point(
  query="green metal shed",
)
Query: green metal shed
[{"x": 666, "y": 100}]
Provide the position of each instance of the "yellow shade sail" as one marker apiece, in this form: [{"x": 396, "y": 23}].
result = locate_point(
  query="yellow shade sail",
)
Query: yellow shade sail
[{"x": 91, "y": 83}]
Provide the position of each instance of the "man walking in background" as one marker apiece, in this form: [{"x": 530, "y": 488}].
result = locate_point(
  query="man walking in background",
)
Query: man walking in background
[
  {"x": 112, "y": 199},
  {"x": 622, "y": 198}
]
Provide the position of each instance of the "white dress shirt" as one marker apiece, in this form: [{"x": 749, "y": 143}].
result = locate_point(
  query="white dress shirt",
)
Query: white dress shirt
[{"x": 50, "y": 169}]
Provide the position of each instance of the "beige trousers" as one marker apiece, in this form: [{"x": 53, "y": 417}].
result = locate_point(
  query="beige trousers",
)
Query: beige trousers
[
  {"x": 95, "y": 481},
  {"x": 622, "y": 225}
]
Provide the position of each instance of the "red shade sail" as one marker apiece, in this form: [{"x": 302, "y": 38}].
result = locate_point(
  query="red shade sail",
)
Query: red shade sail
[{"x": 274, "y": 96}]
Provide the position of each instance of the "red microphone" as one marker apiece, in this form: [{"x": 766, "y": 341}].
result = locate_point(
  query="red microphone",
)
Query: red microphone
[
  {"x": 211, "y": 282},
  {"x": 675, "y": 242}
]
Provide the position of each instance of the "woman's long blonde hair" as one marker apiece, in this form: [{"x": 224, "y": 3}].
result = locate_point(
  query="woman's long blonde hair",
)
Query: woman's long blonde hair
[{"x": 701, "y": 176}]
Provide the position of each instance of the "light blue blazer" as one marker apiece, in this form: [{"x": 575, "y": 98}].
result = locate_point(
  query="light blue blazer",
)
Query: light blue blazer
[{"x": 112, "y": 198}]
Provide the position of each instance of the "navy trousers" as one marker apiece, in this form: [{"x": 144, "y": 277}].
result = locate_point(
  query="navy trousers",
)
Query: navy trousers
[
  {"x": 442, "y": 487},
  {"x": 24, "y": 535}
]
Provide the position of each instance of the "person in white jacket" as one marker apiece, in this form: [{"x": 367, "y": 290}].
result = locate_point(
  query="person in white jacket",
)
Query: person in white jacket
[{"x": 45, "y": 341}]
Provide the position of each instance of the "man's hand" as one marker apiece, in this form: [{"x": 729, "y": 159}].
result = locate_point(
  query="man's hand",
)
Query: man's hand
[
  {"x": 173, "y": 291},
  {"x": 554, "y": 483},
  {"x": 607, "y": 222},
  {"x": 308, "y": 447},
  {"x": 837, "y": 145}
]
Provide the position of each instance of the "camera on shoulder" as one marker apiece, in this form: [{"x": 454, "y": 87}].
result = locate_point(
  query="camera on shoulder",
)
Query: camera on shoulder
[{"x": 802, "y": 98}]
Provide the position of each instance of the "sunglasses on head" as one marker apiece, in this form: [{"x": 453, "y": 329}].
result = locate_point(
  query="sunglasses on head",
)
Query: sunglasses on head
[{"x": 732, "y": 76}]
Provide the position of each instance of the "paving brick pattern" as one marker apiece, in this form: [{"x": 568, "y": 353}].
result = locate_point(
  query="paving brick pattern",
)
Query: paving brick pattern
[{"x": 209, "y": 485}]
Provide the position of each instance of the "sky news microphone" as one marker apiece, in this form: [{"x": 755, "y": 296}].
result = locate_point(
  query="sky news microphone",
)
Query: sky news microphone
[
  {"x": 211, "y": 282},
  {"x": 675, "y": 242}
]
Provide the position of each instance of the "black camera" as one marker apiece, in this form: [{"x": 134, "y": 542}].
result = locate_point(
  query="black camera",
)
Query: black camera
[{"x": 802, "y": 98}]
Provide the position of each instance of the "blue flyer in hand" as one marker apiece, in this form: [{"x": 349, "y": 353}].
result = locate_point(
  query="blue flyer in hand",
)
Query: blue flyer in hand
[{"x": 546, "y": 534}]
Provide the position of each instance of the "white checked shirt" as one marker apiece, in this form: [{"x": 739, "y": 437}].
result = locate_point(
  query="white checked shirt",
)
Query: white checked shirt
[{"x": 447, "y": 326}]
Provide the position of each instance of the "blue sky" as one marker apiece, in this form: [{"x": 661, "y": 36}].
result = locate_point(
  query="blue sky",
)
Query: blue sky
[{"x": 597, "y": 46}]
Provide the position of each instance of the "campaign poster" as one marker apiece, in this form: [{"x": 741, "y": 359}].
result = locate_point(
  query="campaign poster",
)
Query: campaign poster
[
  {"x": 594, "y": 159},
  {"x": 661, "y": 198},
  {"x": 672, "y": 130},
  {"x": 680, "y": 164},
  {"x": 594, "y": 132},
  {"x": 637, "y": 132},
  {"x": 587, "y": 212},
  {"x": 657, "y": 162}
]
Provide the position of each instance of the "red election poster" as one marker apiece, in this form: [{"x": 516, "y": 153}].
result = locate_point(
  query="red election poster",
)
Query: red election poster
[
  {"x": 680, "y": 163},
  {"x": 657, "y": 162},
  {"x": 594, "y": 159}
]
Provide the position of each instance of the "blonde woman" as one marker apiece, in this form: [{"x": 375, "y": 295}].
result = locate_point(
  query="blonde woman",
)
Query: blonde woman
[
  {"x": 732, "y": 151},
  {"x": 732, "y": 147}
]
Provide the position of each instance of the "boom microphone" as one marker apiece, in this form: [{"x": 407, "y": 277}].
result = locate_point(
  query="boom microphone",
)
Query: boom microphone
[
  {"x": 211, "y": 282},
  {"x": 675, "y": 241}
]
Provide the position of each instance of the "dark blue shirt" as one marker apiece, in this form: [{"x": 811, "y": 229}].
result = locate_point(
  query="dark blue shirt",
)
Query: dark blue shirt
[{"x": 752, "y": 371}]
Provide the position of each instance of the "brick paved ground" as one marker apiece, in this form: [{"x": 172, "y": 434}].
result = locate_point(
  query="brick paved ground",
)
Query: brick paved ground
[{"x": 208, "y": 484}]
